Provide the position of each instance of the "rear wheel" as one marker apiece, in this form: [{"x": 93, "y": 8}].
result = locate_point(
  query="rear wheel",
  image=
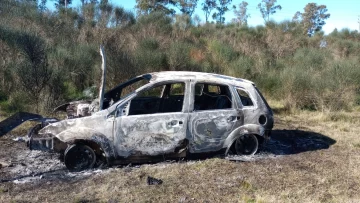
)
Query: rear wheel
[
  {"x": 246, "y": 145},
  {"x": 79, "y": 157}
]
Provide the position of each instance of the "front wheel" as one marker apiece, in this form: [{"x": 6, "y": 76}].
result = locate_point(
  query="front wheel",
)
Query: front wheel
[
  {"x": 246, "y": 145},
  {"x": 79, "y": 157}
]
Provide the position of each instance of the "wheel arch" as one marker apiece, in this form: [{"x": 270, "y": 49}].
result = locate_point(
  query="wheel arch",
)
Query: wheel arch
[
  {"x": 254, "y": 129},
  {"x": 96, "y": 140}
]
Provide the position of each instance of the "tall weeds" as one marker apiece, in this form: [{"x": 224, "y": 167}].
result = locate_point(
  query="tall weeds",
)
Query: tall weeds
[{"x": 318, "y": 73}]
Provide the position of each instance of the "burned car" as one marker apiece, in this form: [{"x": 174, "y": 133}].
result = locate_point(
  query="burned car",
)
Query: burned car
[{"x": 159, "y": 115}]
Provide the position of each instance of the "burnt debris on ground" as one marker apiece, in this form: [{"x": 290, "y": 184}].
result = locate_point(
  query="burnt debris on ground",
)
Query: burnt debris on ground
[
  {"x": 19, "y": 162},
  {"x": 19, "y": 165}
]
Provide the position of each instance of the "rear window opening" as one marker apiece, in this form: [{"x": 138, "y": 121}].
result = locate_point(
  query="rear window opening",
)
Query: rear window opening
[
  {"x": 212, "y": 96},
  {"x": 244, "y": 97}
]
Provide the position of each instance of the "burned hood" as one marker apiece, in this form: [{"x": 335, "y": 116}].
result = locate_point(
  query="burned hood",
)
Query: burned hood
[{"x": 98, "y": 123}]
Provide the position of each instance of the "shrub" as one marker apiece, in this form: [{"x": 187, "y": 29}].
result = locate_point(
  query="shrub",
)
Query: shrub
[
  {"x": 149, "y": 58},
  {"x": 179, "y": 56},
  {"x": 18, "y": 101},
  {"x": 311, "y": 58},
  {"x": 241, "y": 67},
  {"x": 270, "y": 84},
  {"x": 3, "y": 96},
  {"x": 157, "y": 20},
  {"x": 221, "y": 53},
  {"x": 149, "y": 44}
]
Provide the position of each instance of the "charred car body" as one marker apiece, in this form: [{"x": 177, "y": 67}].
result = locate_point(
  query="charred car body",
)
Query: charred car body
[{"x": 163, "y": 114}]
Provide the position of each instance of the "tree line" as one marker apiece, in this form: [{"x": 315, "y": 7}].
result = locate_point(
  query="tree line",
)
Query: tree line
[
  {"x": 48, "y": 57},
  {"x": 312, "y": 18}
]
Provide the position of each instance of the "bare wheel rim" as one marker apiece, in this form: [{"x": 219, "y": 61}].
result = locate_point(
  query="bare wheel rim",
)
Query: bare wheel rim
[
  {"x": 79, "y": 157},
  {"x": 246, "y": 145}
]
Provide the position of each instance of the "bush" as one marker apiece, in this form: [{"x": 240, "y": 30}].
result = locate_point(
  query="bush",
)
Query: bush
[
  {"x": 159, "y": 20},
  {"x": 149, "y": 58},
  {"x": 3, "y": 96},
  {"x": 311, "y": 58},
  {"x": 270, "y": 84},
  {"x": 149, "y": 44},
  {"x": 330, "y": 87},
  {"x": 221, "y": 53},
  {"x": 18, "y": 101},
  {"x": 179, "y": 56},
  {"x": 241, "y": 67},
  {"x": 79, "y": 63}
]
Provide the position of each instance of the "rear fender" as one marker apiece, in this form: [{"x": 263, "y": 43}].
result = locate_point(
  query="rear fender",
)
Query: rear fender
[{"x": 243, "y": 130}]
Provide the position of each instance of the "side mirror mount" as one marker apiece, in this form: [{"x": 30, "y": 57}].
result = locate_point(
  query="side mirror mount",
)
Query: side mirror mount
[
  {"x": 121, "y": 110},
  {"x": 111, "y": 115}
]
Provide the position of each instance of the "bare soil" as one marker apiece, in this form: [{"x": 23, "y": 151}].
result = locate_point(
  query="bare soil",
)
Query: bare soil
[{"x": 312, "y": 157}]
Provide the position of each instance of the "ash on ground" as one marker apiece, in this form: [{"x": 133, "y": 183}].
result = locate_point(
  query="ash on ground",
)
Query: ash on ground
[
  {"x": 16, "y": 160},
  {"x": 18, "y": 164}
]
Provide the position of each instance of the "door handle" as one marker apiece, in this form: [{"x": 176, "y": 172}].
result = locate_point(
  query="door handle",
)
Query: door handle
[
  {"x": 174, "y": 122},
  {"x": 232, "y": 118}
]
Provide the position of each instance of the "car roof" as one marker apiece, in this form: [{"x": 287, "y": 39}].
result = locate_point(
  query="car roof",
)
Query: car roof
[{"x": 199, "y": 76}]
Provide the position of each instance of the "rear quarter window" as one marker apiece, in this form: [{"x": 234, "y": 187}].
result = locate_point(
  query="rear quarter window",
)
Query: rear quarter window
[{"x": 244, "y": 97}]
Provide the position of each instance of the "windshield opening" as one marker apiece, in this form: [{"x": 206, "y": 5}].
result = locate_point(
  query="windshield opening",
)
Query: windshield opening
[{"x": 124, "y": 89}]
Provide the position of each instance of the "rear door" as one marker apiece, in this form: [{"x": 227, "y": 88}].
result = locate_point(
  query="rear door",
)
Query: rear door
[{"x": 214, "y": 116}]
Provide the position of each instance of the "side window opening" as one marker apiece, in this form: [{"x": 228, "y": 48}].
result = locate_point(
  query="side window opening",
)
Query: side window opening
[
  {"x": 166, "y": 98},
  {"x": 213, "y": 89},
  {"x": 155, "y": 92},
  {"x": 177, "y": 89},
  {"x": 212, "y": 96},
  {"x": 244, "y": 97},
  {"x": 199, "y": 89}
]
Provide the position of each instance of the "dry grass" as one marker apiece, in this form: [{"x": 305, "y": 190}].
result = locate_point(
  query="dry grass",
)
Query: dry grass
[{"x": 329, "y": 175}]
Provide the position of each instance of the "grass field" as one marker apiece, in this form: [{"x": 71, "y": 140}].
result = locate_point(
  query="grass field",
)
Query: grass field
[{"x": 322, "y": 175}]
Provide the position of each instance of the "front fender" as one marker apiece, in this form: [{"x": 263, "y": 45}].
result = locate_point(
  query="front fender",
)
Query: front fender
[
  {"x": 243, "y": 130},
  {"x": 88, "y": 134}
]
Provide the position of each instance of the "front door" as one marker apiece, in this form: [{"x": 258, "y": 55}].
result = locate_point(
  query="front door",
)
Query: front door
[{"x": 154, "y": 122}]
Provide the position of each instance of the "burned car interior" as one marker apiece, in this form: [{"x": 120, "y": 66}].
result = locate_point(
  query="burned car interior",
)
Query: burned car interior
[
  {"x": 244, "y": 97},
  {"x": 212, "y": 96},
  {"x": 169, "y": 98},
  {"x": 164, "y": 98}
]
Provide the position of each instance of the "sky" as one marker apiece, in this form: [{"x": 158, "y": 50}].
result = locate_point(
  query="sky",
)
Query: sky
[{"x": 343, "y": 14}]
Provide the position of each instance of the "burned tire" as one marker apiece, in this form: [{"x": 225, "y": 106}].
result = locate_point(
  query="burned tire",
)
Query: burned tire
[
  {"x": 246, "y": 145},
  {"x": 79, "y": 157}
]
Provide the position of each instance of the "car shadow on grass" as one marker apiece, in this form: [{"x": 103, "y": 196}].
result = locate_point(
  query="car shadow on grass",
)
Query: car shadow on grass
[{"x": 287, "y": 142}]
